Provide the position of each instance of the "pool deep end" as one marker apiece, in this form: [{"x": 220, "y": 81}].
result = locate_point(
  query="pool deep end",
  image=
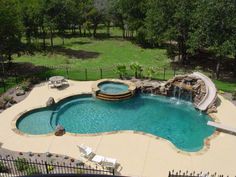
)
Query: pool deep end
[{"x": 181, "y": 124}]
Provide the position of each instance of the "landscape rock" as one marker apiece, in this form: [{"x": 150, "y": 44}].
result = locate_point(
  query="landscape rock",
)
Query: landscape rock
[
  {"x": 50, "y": 102},
  {"x": 8, "y": 105},
  {"x": 20, "y": 93},
  {"x": 212, "y": 109},
  {"x": 59, "y": 131}
]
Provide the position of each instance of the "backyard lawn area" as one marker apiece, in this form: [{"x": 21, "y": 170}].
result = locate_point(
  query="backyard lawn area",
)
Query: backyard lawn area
[{"x": 85, "y": 57}]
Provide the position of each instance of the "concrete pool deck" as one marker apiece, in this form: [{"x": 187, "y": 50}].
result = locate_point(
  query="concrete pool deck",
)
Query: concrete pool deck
[{"x": 139, "y": 154}]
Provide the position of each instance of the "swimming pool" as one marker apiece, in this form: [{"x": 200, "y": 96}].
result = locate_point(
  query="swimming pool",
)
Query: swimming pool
[
  {"x": 113, "y": 87},
  {"x": 181, "y": 124}
]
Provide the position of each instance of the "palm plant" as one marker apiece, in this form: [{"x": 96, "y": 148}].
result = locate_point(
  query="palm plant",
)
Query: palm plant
[
  {"x": 121, "y": 70},
  {"x": 137, "y": 68}
]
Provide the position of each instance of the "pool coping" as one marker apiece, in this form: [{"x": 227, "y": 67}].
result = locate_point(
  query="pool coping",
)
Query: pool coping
[{"x": 204, "y": 149}]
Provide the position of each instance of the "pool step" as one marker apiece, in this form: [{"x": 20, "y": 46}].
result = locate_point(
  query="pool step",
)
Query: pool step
[{"x": 116, "y": 97}]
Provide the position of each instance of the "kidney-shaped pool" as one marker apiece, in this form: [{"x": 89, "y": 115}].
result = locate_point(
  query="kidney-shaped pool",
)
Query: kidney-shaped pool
[{"x": 180, "y": 123}]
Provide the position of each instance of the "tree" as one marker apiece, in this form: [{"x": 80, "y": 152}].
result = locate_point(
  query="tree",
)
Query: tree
[
  {"x": 159, "y": 21},
  {"x": 214, "y": 29},
  {"x": 30, "y": 12},
  {"x": 10, "y": 28}
]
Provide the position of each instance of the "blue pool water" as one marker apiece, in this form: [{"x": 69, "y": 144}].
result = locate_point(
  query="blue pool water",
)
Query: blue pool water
[
  {"x": 180, "y": 123},
  {"x": 113, "y": 88}
]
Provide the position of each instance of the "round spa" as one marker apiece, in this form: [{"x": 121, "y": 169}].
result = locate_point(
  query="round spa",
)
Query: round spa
[{"x": 114, "y": 89}]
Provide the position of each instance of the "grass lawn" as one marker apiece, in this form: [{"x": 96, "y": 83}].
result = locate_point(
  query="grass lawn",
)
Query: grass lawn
[
  {"x": 96, "y": 54},
  {"x": 81, "y": 54}
]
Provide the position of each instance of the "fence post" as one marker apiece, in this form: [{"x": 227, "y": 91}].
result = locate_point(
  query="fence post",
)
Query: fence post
[
  {"x": 46, "y": 166},
  {"x": 164, "y": 74},
  {"x": 16, "y": 78},
  {"x": 101, "y": 76},
  {"x": 4, "y": 84},
  {"x": 86, "y": 74},
  {"x": 67, "y": 73}
]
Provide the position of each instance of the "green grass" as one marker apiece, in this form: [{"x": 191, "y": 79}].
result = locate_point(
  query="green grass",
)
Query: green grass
[
  {"x": 111, "y": 52},
  {"x": 225, "y": 86}
]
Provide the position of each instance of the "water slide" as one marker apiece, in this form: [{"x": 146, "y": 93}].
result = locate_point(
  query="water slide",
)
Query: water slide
[{"x": 211, "y": 91}]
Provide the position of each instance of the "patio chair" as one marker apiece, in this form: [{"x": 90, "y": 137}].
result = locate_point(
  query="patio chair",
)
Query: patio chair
[
  {"x": 105, "y": 162},
  {"x": 85, "y": 151}
]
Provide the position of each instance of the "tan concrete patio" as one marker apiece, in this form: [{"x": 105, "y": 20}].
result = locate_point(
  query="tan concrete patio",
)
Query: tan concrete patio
[{"x": 139, "y": 155}]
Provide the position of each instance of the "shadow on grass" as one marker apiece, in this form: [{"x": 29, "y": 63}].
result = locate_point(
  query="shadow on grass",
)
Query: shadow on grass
[{"x": 79, "y": 54}]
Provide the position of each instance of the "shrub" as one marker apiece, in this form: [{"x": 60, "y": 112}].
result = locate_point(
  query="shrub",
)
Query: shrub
[
  {"x": 80, "y": 171},
  {"x": 3, "y": 169},
  {"x": 121, "y": 70},
  {"x": 32, "y": 170},
  {"x": 7, "y": 98},
  {"x": 137, "y": 68},
  {"x": 25, "y": 85},
  {"x": 21, "y": 164},
  {"x": 50, "y": 168}
]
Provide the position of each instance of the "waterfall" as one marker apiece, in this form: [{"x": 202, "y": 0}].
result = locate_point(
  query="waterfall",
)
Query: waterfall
[{"x": 181, "y": 94}]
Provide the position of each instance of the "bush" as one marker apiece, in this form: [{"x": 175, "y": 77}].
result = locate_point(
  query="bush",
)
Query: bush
[
  {"x": 50, "y": 168},
  {"x": 7, "y": 98},
  {"x": 25, "y": 85},
  {"x": 3, "y": 169},
  {"x": 80, "y": 171},
  {"x": 21, "y": 164},
  {"x": 32, "y": 170},
  {"x": 121, "y": 70}
]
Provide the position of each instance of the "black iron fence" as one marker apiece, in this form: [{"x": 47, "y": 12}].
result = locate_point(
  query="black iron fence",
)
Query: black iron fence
[
  {"x": 24, "y": 167},
  {"x": 12, "y": 78},
  {"x": 193, "y": 174}
]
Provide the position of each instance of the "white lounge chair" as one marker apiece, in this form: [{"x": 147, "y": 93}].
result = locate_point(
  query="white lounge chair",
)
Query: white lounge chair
[
  {"x": 106, "y": 162},
  {"x": 85, "y": 151}
]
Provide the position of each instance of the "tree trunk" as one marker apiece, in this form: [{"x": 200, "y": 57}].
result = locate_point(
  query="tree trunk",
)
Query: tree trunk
[
  {"x": 80, "y": 30},
  {"x": 235, "y": 66},
  {"x": 108, "y": 28},
  {"x": 44, "y": 38},
  {"x": 51, "y": 37},
  {"x": 218, "y": 69},
  {"x": 63, "y": 39},
  {"x": 94, "y": 30},
  {"x": 123, "y": 32}
]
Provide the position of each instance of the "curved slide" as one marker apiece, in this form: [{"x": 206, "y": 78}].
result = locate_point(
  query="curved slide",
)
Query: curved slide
[{"x": 211, "y": 91}]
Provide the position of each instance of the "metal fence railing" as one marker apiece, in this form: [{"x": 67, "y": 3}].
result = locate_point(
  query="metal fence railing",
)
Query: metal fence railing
[
  {"x": 84, "y": 74},
  {"x": 10, "y": 166},
  {"x": 193, "y": 174}
]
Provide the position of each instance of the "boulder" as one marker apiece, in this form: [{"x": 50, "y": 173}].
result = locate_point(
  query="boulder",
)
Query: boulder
[
  {"x": 20, "y": 92},
  {"x": 50, "y": 102},
  {"x": 212, "y": 109},
  {"x": 8, "y": 105},
  {"x": 59, "y": 131}
]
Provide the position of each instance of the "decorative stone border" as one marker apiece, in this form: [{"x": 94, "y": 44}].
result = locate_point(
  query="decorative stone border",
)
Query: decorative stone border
[{"x": 205, "y": 148}]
